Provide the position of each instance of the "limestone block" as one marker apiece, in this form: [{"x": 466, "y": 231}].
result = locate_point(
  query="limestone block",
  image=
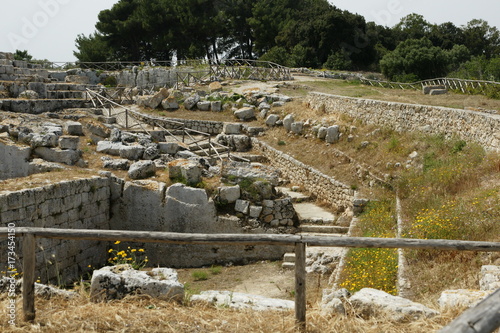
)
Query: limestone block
[
  {"x": 20, "y": 63},
  {"x": 99, "y": 130},
  {"x": 216, "y": 106},
  {"x": 111, "y": 148},
  {"x": 297, "y": 127},
  {"x": 369, "y": 301},
  {"x": 461, "y": 298},
  {"x": 277, "y": 104},
  {"x": 77, "y": 79},
  {"x": 69, "y": 157},
  {"x": 434, "y": 92},
  {"x": 242, "y": 206},
  {"x": 69, "y": 142},
  {"x": 142, "y": 170},
  {"x": 203, "y": 105},
  {"x": 232, "y": 128},
  {"x": 280, "y": 98},
  {"x": 272, "y": 119},
  {"x": 116, "y": 164},
  {"x": 255, "y": 211},
  {"x": 427, "y": 89},
  {"x": 170, "y": 103},
  {"x": 243, "y": 301},
  {"x": 245, "y": 114},
  {"x": 288, "y": 121},
  {"x": 190, "y": 171},
  {"x": 151, "y": 152},
  {"x": 191, "y": 101},
  {"x": 157, "y": 98},
  {"x": 332, "y": 134},
  {"x": 215, "y": 86},
  {"x": 489, "y": 278},
  {"x": 29, "y": 94},
  {"x": 170, "y": 148},
  {"x": 73, "y": 128},
  {"x": 229, "y": 194},
  {"x": 44, "y": 140},
  {"x": 322, "y": 132},
  {"x": 331, "y": 301},
  {"x": 264, "y": 106},
  {"x": 116, "y": 282}
]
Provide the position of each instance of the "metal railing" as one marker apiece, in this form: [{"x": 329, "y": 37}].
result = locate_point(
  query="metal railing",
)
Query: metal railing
[{"x": 299, "y": 241}]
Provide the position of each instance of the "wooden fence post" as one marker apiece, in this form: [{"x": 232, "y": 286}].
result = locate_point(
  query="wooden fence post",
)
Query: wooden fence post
[
  {"x": 29, "y": 244},
  {"x": 300, "y": 286}
]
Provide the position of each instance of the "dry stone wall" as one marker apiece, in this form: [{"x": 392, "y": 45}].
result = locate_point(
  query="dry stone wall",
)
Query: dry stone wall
[
  {"x": 338, "y": 195},
  {"x": 479, "y": 127},
  {"x": 79, "y": 204},
  {"x": 205, "y": 126}
]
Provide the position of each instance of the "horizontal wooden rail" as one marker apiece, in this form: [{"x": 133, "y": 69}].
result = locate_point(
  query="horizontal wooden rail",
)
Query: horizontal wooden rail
[{"x": 300, "y": 243}]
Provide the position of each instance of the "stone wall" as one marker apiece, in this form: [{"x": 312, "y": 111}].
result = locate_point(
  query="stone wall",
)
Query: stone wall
[
  {"x": 14, "y": 161},
  {"x": 205, "y": 126},
  {"x": 150, "y": 205},
  {"x": 79, "y": 204},
  {"x": 478, "y": 127},
  {"x": 149, "y": 77},
  {"x": 340, "y": 196},
  {"x": 111, "y": 203}
]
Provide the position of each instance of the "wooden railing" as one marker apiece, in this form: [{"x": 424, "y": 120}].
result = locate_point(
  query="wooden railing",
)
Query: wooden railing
[
  {"x": 465, "y": 86},
  {"x": 299, "y": 241}
]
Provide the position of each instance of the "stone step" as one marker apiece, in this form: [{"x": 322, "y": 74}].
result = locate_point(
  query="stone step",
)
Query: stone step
[
  {"x": 323, "y": 229},
  {"x": 66, "y": 94},
  {"x": 309, "y": 212},
  {"x": 296, "y": 196},
  {"x": 70, "y": 86},
  {"x": 289, "y": 257},
  {"x": 288, "y": 265},
  {"x": 37, "y": 106}
]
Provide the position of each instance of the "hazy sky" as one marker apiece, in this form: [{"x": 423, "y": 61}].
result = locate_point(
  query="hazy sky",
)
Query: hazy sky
[{"x": 48, "y": 28}]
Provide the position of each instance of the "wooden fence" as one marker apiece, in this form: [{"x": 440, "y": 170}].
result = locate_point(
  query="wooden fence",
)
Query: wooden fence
[
  {"x": 465, "y": 86},
  {"x": 299, "y": 241}
]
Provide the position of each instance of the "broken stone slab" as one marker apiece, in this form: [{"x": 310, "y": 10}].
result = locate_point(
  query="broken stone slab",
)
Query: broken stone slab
[
  {"x": 427, "y": 89},
  {"x": 435, "y": 92},
  {"x": 280, "y": 98},
  {"x": 232, "y": 128},
  {"x": 69, "y": 157},
  {"x": 332, "y": 134},
  {"x": 110, "y": 148},
  {"x": 489, "y": 277},
  {"x": 187, "y": 170},
  {"x": 116, "y": 282},
  {"x": 44, "y": 140},
  {"x": 69, "y": 142},
  {"x": 216, "y": 106},
  {"x": 242, "y": 206},
  {"x": 272, "y": 119},
  {"x": 115, "y": 164},
  {"x": 170, "y": 103},
  {"x": 461, "y": 298},
  {"x": 368, "y": 302},
  {"x": 297, "y": 127},
  {"x": 331, "y": 301},
  {"x": 245, "y": 114},
  {"x": 29, "y": 94},
  {"x": 203, "y": 105},
  {"x": 157, "y": 98},
  {"x": 142, "y": 170},
  {"x": 240, "y": 143},
  {"x": 191, "y": 101},
  {"x": 229, "y": 194},
  {"x": 73, "y": 128},
  {"x": 215, "y": 86},
  {"x": 170, "y": 148},
  {"x": 237, "y": 300},
  {"x": 39, "y": 165},
  {"x": 288, "y": 121},
  {"x": 132, "y": 153}
]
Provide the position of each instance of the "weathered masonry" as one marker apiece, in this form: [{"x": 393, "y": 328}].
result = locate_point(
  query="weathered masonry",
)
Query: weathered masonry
[{"x": 479, "y": 127}]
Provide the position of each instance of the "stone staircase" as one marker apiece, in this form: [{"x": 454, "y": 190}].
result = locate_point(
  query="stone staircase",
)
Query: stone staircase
[
  {"x": 314, "y": 221},
  {"x": 52, "y": 94}
]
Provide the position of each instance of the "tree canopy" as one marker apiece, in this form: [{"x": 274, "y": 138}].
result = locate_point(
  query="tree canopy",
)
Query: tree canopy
[{"x": 297, "y": 33}]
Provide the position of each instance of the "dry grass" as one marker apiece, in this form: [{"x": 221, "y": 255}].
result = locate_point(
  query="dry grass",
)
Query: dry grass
[{"x": 145, "y": 314}]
